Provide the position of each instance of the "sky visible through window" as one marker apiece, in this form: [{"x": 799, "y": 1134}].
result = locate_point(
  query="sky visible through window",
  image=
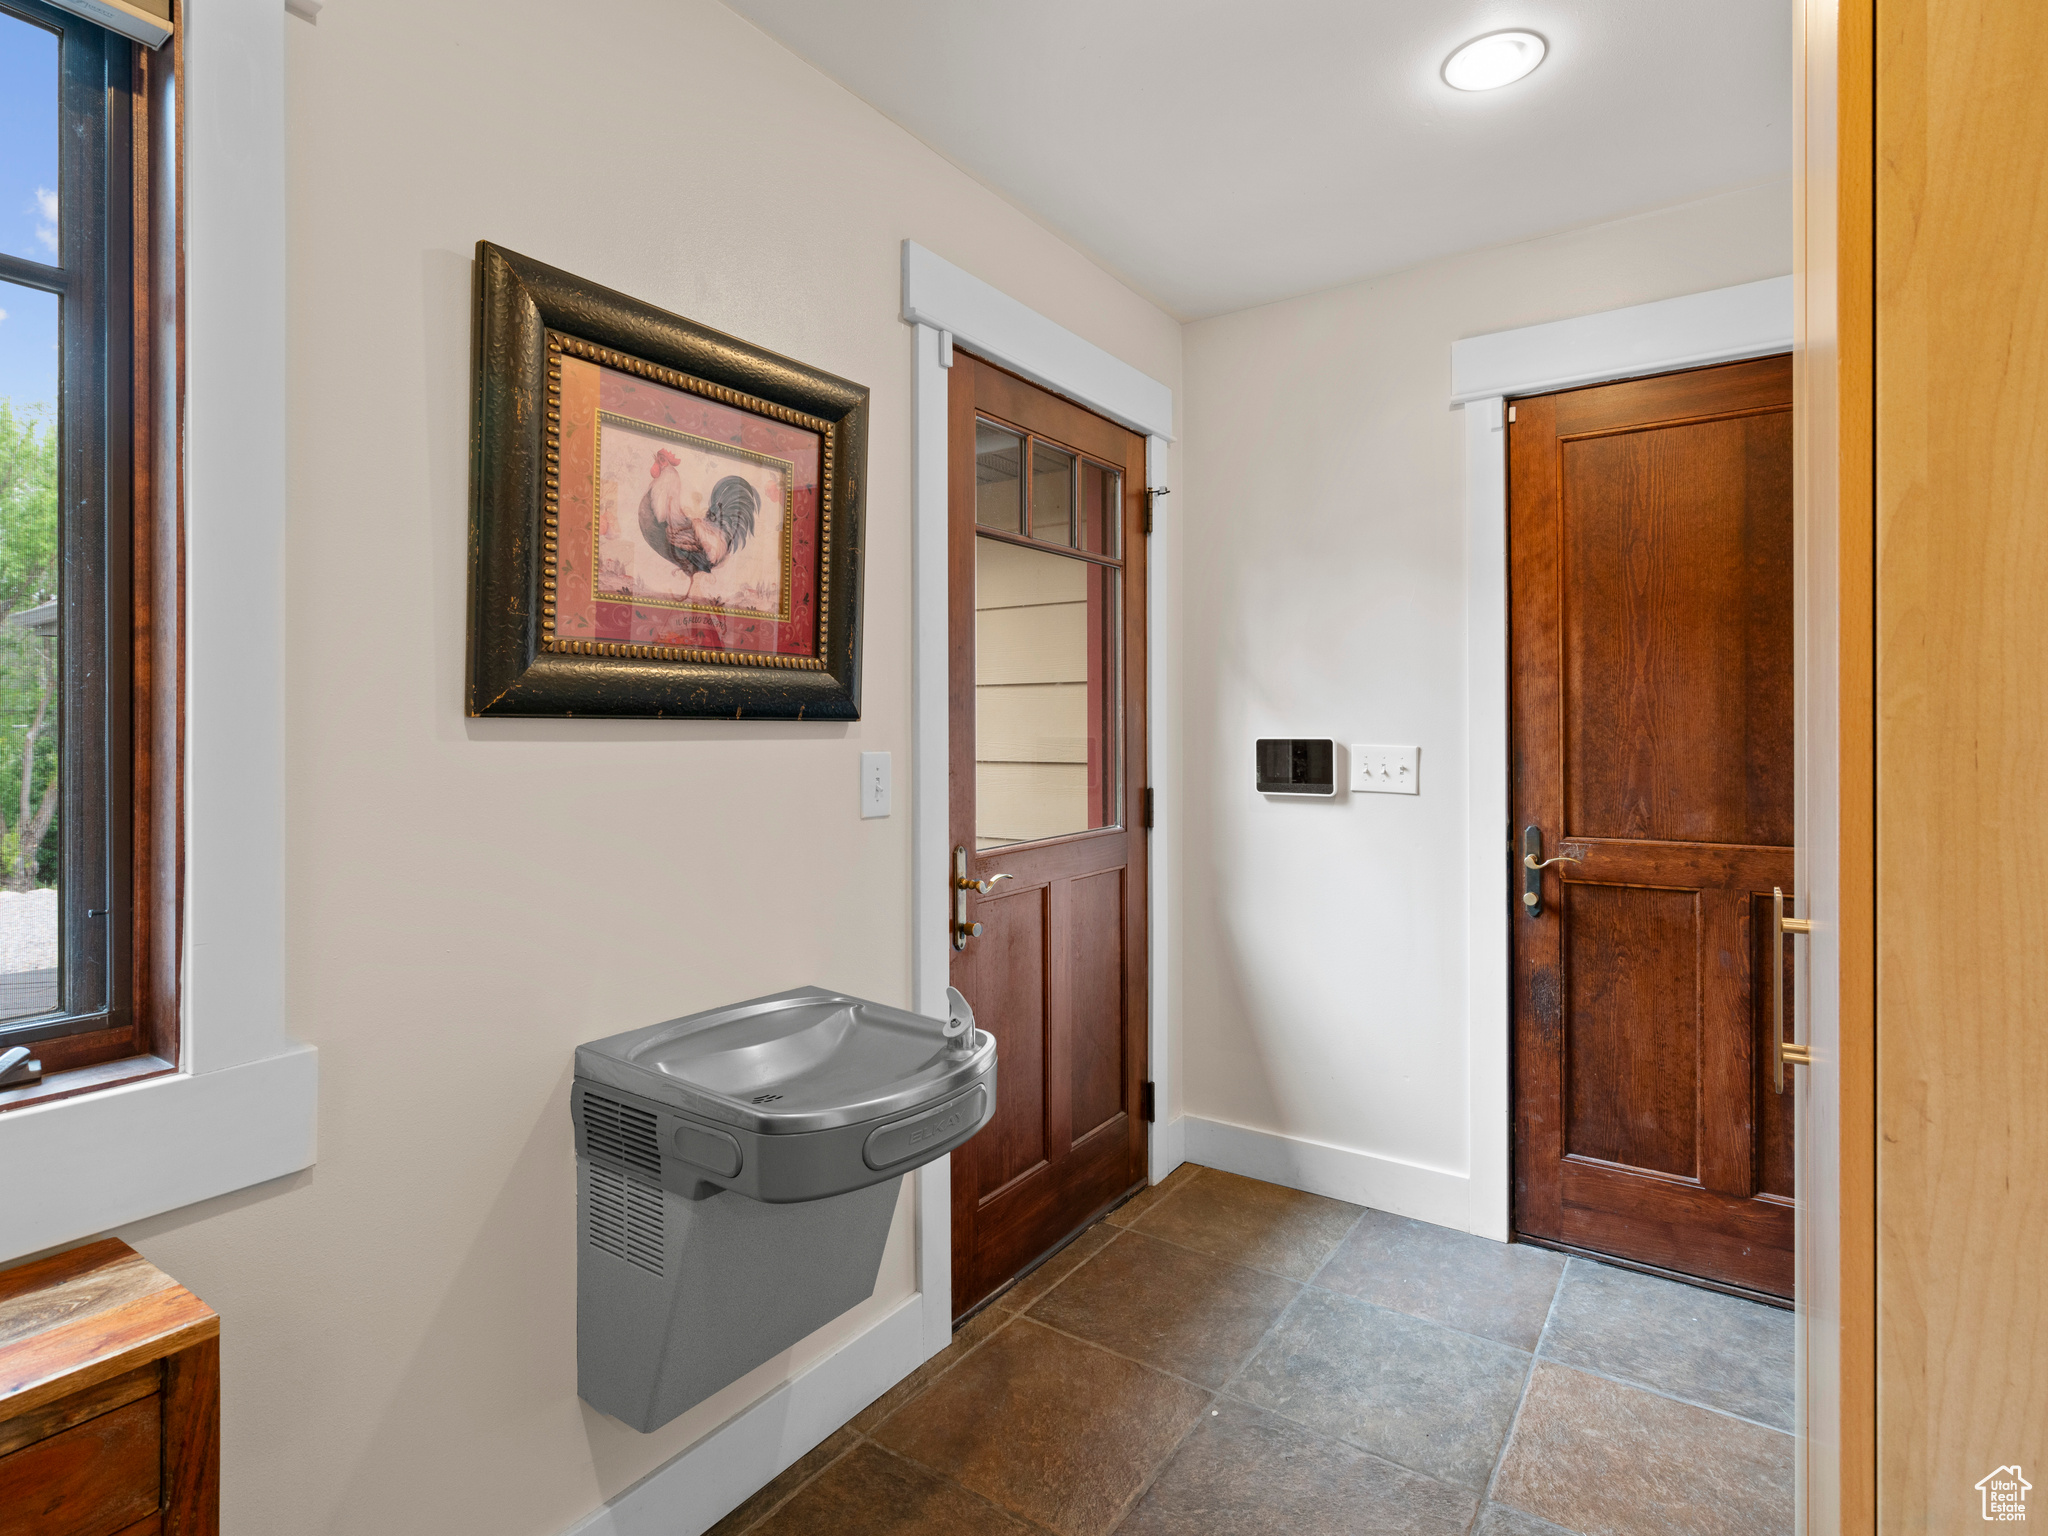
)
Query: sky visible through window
[
  {"x": 28, "y": 208},
  {"x": 29, "y": 549}
]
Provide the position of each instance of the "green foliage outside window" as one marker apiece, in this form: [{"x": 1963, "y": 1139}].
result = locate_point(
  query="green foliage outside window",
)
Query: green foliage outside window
[{"x": 28, "y": 660}]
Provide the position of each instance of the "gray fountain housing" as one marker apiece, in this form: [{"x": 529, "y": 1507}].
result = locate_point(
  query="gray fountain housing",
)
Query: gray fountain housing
[{"x": 737, "y": 1172}]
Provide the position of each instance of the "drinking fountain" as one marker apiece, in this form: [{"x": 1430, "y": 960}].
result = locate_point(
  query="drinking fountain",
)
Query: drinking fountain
[{"x": 737, "y": 1173}]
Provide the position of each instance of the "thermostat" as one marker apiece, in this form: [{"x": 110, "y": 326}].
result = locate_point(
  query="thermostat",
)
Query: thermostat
[{"x": 1297, "y": 765}]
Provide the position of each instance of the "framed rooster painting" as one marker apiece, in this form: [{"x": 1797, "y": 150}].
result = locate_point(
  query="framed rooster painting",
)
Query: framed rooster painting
[{"x": 665, "y": 521}]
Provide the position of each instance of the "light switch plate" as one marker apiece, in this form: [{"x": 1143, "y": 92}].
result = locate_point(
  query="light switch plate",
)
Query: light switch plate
[
  {"x": 1386, "y": 770},
  {"x": 874, "y": 785}
]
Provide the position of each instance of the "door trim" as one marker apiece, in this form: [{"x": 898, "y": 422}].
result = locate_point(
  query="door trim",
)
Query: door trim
[
  {"x": 942, "y": 302},
  {"x": 1720, "y": 325},
  {"x": 1694, "y": 330}
]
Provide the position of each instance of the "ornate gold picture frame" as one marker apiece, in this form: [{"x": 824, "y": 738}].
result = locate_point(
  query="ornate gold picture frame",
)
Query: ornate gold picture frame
[{"x": 665, "y": 521}]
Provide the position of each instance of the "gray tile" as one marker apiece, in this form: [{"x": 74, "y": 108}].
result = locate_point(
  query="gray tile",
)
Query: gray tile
[
  {"x": 1057, "y": 1268},
  {"x": 1183, "y": 1312},
  {"x": 1143, "y": 1201},
  {"x": 1262, "y": 1226},
  {"x": 1052, "y": 1429},
  {"x": 967, "y": 1338},
  {"x": 1254, "y": 1474},
  {"x": 1401, "y": 1387},
  {"x": 871, "y": 1493},
  {"x": 1700, "y": 1345},
  {"x": 785, "y": 1483},
  {"x": 1501, "y": 1291},
  {"x": 1499, "y": 1520},
  {"x": 1608, "y": 1459}
]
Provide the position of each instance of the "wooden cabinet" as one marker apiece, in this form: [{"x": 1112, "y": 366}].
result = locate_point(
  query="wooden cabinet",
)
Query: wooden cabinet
[{"x": 109, "y": 1399}]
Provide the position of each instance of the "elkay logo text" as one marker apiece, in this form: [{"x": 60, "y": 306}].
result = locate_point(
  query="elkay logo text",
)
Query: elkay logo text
[{"x": 2005, "y": 1495}]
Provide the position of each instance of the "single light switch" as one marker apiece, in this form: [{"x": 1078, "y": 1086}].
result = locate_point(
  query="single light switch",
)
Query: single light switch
[
  {"x": 1385, "y": 770},
  {"x": 874, "y": 785}
]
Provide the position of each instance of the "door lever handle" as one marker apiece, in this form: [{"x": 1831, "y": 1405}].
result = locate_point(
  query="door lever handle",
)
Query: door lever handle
[
  {"x": 1782, "y": 1049},
  {"x": 963, "y": 930},
  {"x": 1533, "y": 865}
]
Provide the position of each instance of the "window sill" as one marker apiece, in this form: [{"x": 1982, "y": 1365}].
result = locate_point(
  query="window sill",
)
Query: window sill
[
  {"x": 65, "y": 1085},
  {"x": 85, "y": 1164}
]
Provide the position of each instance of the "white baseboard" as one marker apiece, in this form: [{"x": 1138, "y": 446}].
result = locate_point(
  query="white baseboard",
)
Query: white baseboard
[
  {"x": 1169, "y": 1147},
  {"x": 1384, "y": 1183},
  {"x": 692, "y": 1493}
]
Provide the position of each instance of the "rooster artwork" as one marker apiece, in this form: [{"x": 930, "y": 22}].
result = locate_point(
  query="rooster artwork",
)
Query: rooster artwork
[{"x": 695, "y": 545}]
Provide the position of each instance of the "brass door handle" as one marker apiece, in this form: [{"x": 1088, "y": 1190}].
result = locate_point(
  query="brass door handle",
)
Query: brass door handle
[
  {"x": 1533, "y": 863},
  {"x": 963, "y": 930},
  {"x": 1782, "y": 1049}
]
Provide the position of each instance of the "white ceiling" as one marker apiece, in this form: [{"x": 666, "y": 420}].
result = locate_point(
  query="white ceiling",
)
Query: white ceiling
[{"x": 1218, "y": 154}]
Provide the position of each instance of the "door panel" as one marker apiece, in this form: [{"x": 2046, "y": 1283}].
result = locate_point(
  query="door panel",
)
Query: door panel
[
  {"x": 1634, "y": 955},
  {"x": 1678, "y": 650},
  {"x": 1009, "y": 980},
  {"x": 1651, "y": 645},
  {"x": 1047, "y": 704},
  {"x": 1097, "y": 1055}
]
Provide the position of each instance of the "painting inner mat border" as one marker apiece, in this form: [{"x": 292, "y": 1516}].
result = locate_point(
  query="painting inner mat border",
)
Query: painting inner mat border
[{"x": 786, "y": 473}]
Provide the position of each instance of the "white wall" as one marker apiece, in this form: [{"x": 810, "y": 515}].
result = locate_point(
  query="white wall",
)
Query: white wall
[
  {"x": 1325, "y": 595},
  {"x": 468, "y": 899}
]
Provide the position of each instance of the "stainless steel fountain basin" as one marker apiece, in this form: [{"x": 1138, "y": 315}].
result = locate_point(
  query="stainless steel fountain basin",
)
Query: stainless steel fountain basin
[{"x": 794, "y": 1097}]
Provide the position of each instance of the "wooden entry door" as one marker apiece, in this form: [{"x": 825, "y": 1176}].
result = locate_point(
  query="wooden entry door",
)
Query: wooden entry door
[
  {"x": 1047, "y": 597},
  {"x": 1650, "y": 573}
]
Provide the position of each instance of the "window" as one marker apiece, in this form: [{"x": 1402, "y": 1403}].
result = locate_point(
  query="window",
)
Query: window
[
  {"x": 1048, "y": 639},
  {"x": 87, "y": 635}
]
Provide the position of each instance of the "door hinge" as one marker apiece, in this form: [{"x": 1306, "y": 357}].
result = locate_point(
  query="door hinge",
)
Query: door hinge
[
  {"x": 1147, "y": 813},
  {"x": 1511, "y": 413},
  {"x": 1147, "y": 1104},
  {"x": 1152, "y": 494}
]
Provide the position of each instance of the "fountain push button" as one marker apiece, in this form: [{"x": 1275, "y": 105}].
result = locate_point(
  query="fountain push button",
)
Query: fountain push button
[
  {"x": 713, "y": 1151},
  {"x": 890, "y": 1144}
]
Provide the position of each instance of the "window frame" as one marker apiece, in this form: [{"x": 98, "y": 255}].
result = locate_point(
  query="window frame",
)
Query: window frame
[
  {"x": 120, "y": 583},
  {"x": 1112, "y": 792}
]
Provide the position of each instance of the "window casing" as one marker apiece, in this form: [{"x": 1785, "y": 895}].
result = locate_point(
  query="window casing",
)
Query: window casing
[{"x": 111, "y": 632}]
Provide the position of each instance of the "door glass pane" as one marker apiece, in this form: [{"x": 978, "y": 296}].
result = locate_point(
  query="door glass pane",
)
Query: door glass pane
[
  {"x": 28, "y": 651},
  {"x": 1101, "y": 508},
  {"x": 28, "y": 140},
  {"x": 998, "y": 478},
  {"x": 1052, "y": 494},
  {"x": 1047, "y": 711}
]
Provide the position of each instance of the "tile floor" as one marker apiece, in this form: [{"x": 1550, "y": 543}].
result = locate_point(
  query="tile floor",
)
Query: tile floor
[{"x": 1222, "y": 1356}]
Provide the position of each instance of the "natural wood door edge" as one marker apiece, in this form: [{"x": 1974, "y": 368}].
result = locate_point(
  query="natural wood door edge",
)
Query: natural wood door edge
[{"x": 1856, "y": 457}]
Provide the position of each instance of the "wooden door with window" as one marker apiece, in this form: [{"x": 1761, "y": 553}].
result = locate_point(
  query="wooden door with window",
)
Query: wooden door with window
[
  {"x": 1047, "y": 597},
  {"x": 1650, "y": 573}
]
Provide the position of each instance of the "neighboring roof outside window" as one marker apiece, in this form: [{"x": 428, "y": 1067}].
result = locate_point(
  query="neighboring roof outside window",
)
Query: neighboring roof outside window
[{"x": 42, "y": 618}]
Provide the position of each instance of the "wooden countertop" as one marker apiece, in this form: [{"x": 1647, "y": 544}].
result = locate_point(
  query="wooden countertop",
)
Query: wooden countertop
[{"x": 85, "y": 1315}]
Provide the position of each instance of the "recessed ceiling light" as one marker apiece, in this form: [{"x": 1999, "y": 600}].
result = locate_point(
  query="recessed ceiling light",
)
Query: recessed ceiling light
[{"x": 1499, "y": 58}]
